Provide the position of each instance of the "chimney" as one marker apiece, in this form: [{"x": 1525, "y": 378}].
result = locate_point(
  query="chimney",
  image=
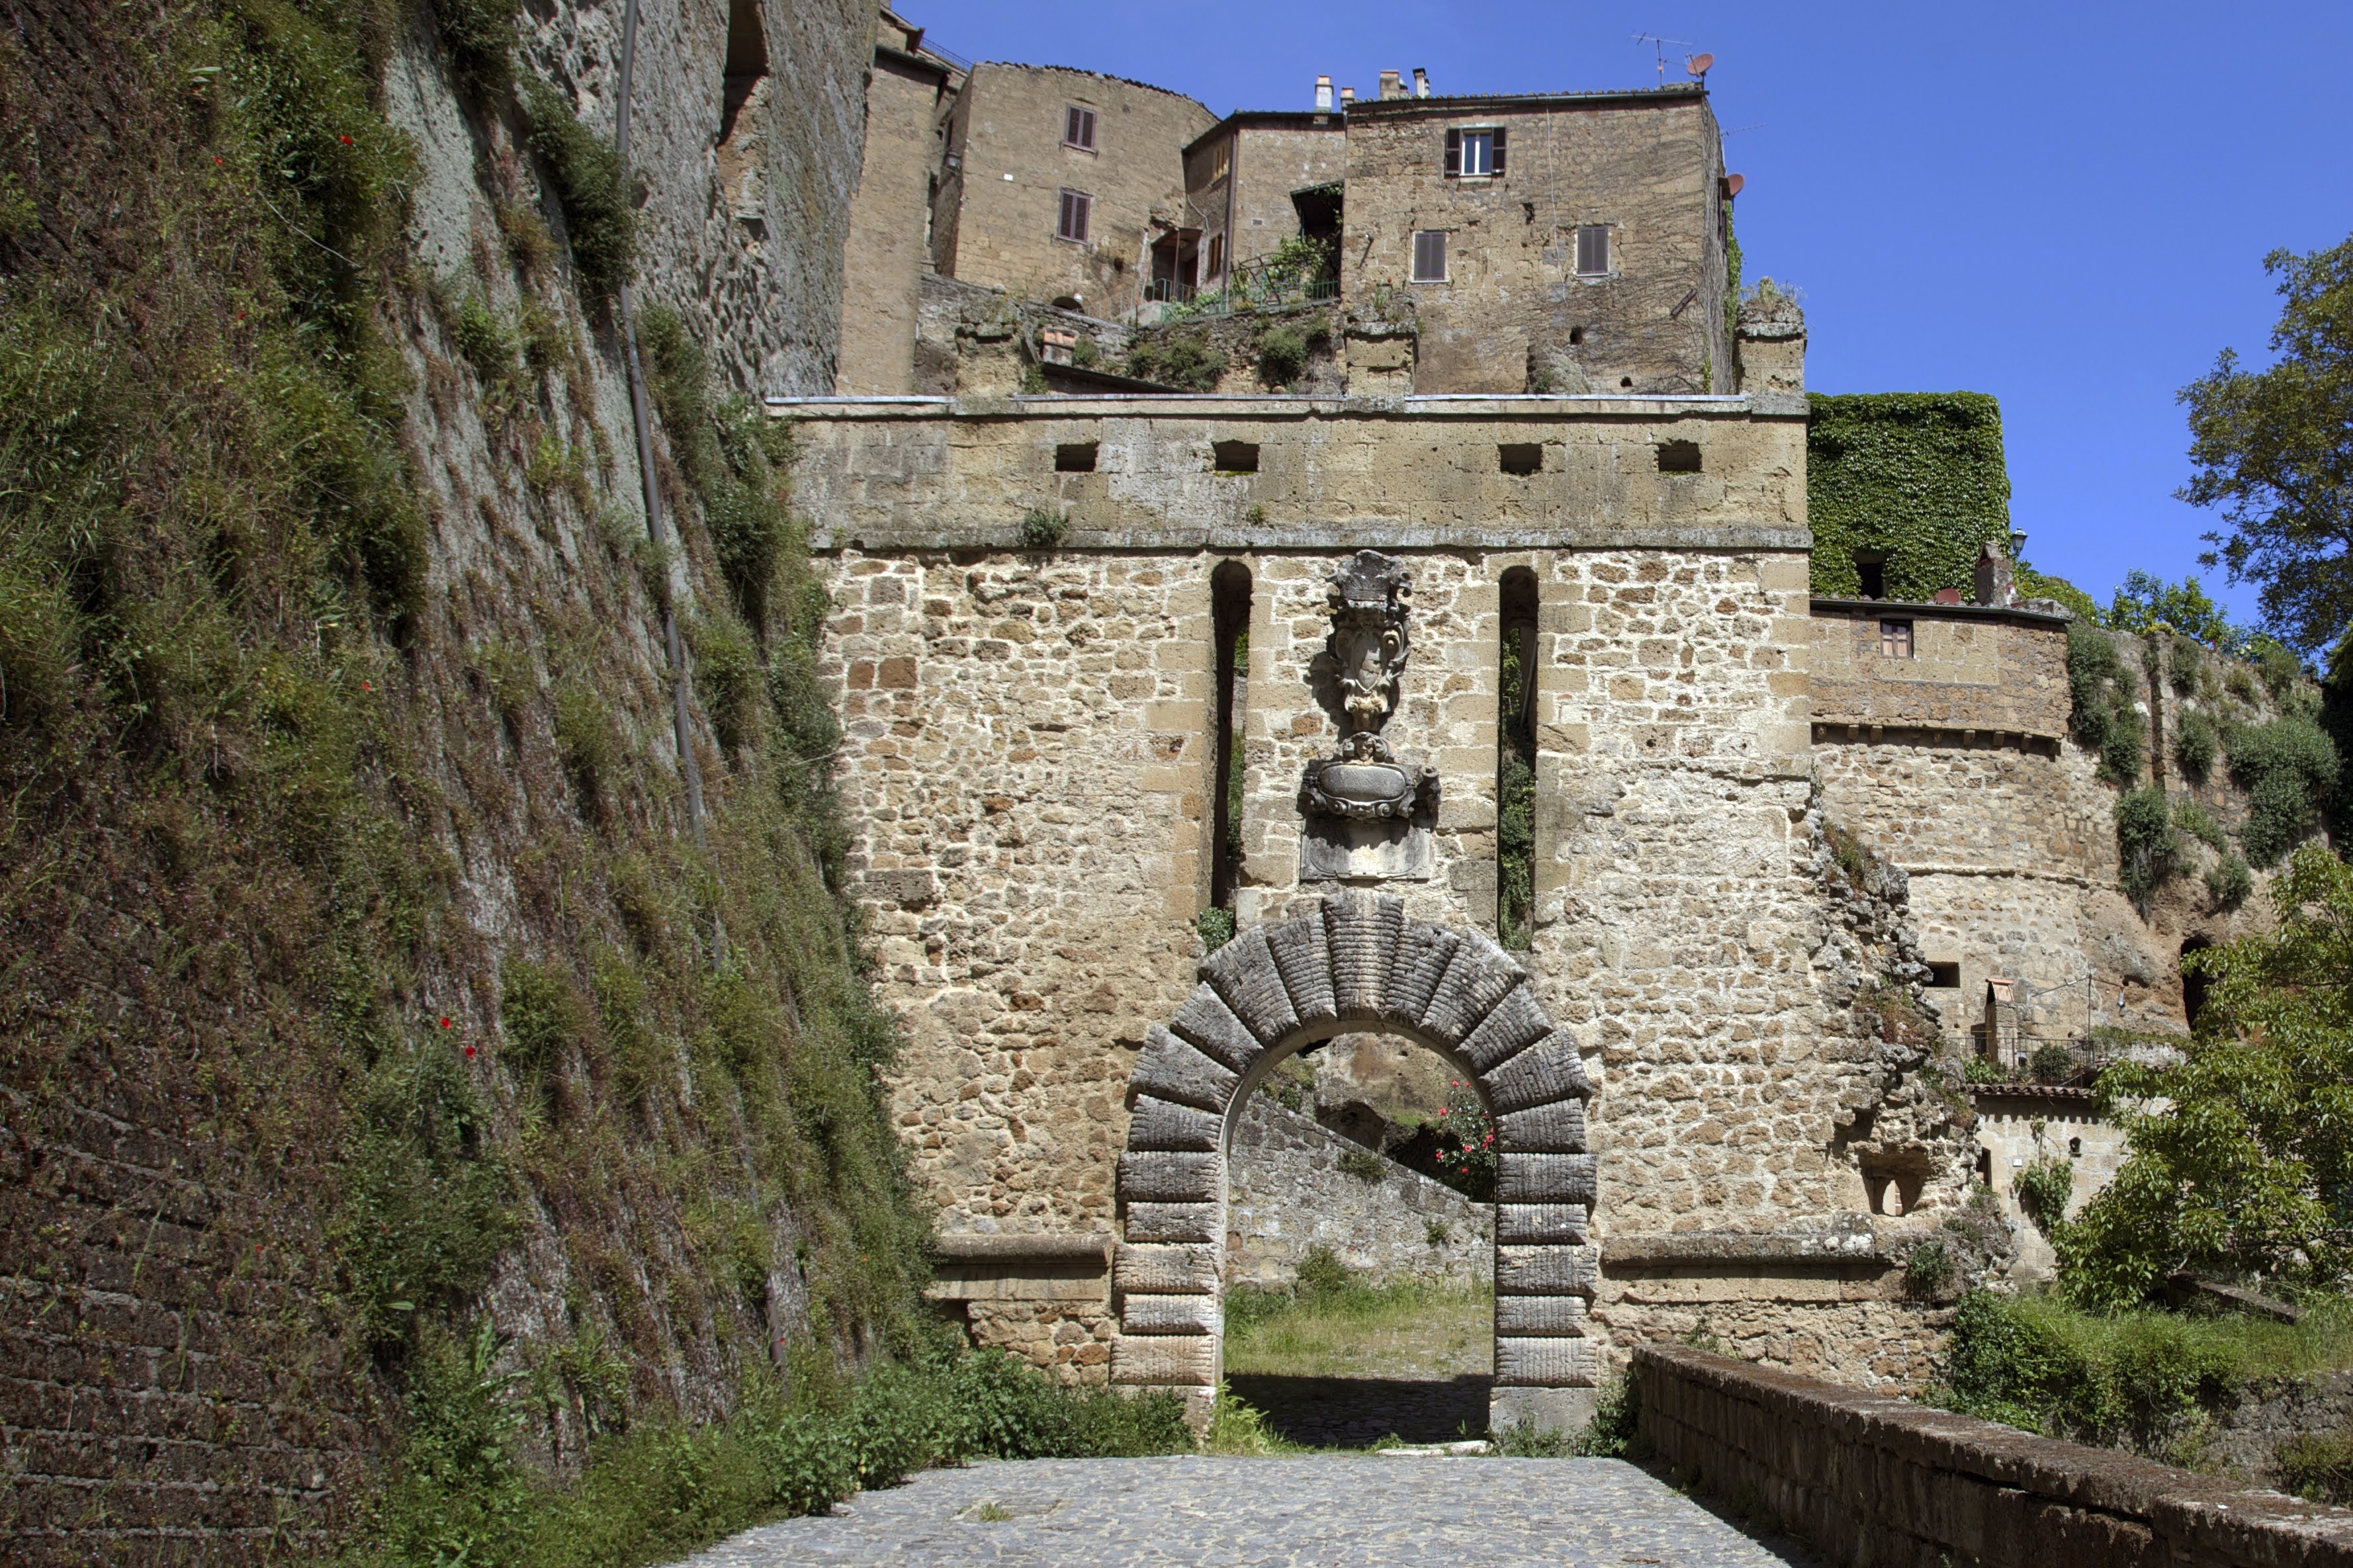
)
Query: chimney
[
  {"x": 1391, "y": 85},
  {"x": 1347, "y": 95},
  {"x": 1421, "y": 82},
  {"x": 1994, "y": 584},
  {"x": 1324, "y": 94}
]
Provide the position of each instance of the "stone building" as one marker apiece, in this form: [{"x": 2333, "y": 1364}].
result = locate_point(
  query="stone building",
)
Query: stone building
[
  {"x": 1251, "y": 181},
  {"x": 909, "y": 92},
  {"x": 1560, "y": 242},
  {"x": 1049, "y": 181}
]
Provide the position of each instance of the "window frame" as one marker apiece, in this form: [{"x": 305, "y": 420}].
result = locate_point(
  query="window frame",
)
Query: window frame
[
  {"x": 1483, "y": 139},
  {"x": 1085, "y": 210},
  {"x": 1609, "y": 250},
  {"x": 1085, "y": 117},
  {"x": 1895, "y": 633},
  {"x": 1445, "y": 256}
]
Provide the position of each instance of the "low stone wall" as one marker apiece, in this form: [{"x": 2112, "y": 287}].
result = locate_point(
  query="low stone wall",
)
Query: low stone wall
[
  {"x": 1287, "y": 1195},
  {"x": 1867, "y": 1479}
]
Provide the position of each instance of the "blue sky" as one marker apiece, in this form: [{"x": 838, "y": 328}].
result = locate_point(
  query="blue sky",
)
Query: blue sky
[{"x": 2064, "y": 205}]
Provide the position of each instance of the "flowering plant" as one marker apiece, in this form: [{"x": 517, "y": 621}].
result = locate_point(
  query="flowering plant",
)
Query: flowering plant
[{"x": 1466, "y": 1139}]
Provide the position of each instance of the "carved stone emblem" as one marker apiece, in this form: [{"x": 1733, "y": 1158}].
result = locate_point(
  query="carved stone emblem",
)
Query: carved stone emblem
[{"x": 1367, "y": 813}]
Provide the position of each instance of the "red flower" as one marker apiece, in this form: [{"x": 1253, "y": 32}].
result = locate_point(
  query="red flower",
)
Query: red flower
[
  {"x": 367, "y": 686},
  {"x": 445, "y": 1021},
  {"x": 346, "y": 141},
  {"x": 469, "y": 1053}
]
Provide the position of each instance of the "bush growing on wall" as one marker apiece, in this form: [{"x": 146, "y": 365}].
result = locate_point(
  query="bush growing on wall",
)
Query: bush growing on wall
[
  {"x": 1919, "y": 476},
  {"x": 2103, "y": 716},
  {"x": 2288, "y": 768},
  {"x": 2147, "y": 845}
]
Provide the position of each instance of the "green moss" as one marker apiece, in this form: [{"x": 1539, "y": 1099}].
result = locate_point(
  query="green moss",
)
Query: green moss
[{"x": 1917, "y": 477}]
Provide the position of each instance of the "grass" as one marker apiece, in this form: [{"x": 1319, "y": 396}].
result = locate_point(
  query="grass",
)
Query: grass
[{"x": 1404, "y": 1329}]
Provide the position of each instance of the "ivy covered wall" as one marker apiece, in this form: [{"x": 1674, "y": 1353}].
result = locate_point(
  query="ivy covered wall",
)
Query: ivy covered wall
[{"x": 1917, "y": 477}]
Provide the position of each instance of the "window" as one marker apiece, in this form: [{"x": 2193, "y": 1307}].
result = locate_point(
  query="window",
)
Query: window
[
  {"x": 1234, "y": 456},
  {"x": 1079, "y": 128},
  {"x": 1522, "y": 457},
  {"x": 1944, "y": 976},
  {"x": 1592, "y": 248},
  {"x": 1217, "y": 257},
  {"x": 1429, "y": 256},
  {"x": 1679, "y": 458},
  {"x": 2075, "y": 1148},
  {"x": 1224, "y": 162},
  {"x": 1077, "y": 207},
  {"x": 1895, "y": 639},
  {"x": 1475, "y": 154},
  {"x": 1870, "y": 576},
  {"x": 1075, "y": 458}
]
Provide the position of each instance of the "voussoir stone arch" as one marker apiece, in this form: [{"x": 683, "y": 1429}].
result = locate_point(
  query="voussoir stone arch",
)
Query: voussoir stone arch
[{"x": 1356, "y": 960}]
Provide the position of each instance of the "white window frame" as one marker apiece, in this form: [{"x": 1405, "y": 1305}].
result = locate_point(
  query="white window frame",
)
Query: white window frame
[
  {"x": 1485, "y": 135},
  {"x": 1445, "y": 256},
  {"x": 1086, "y": 212},
  {"x": 1609, "y": 250},
  {"x": 1087, "y": 117}
]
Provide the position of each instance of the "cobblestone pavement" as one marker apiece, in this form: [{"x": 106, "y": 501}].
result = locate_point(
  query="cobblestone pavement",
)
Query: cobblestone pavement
[{"x": 1341, "y": 1512}]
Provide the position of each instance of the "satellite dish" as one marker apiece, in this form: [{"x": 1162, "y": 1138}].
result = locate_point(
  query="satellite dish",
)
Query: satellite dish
[
  {"x": 1698, "y": 64},
  {"x": 1733, "y": 183}
]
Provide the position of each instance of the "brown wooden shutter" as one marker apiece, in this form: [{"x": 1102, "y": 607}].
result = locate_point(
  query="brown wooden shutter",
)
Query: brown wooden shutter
[
  {"x": 1498, "y": 168},
  {"x": 1454, "y": 152}
]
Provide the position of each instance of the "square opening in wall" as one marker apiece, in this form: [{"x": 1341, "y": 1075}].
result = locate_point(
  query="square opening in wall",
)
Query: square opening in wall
[
  {"x": 1075, "y": 458},
  {"x": 1520, "y": 456},
  {"x": 1234, "y": 456},
  {"x": 1679, "y": 457},
  {"x": 1944, "y": 976}
]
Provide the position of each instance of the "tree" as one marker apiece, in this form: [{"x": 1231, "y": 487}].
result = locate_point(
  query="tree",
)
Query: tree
[
  {"x": 2274, "y": 450},
  {"x": 2241, "y": 1154},
  {"x": 2145, "y": 600}
]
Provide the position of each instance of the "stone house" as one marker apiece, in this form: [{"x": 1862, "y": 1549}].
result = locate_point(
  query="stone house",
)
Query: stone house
[
  {"x": 1050, "y": 180},
  {"x": 1253, "y": 180},
  {"x": 909, "y": 92}
]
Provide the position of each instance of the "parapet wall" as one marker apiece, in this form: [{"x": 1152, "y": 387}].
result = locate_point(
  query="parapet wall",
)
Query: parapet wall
[{"x": 1867, "y": 1479}]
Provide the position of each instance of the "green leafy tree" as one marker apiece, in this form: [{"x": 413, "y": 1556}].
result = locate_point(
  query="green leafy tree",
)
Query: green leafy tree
[
  {"x": 2274, "y": 450},
  {"x": 2241, "y": 1155},
  {"x": 2146, "y": 601}
]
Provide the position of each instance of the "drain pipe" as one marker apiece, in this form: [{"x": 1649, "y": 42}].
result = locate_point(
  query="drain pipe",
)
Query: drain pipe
[{"x": 641, "y": 415}]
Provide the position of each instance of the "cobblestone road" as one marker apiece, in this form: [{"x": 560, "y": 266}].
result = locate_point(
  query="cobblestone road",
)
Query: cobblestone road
[{"x": 1341, "y": 1512}]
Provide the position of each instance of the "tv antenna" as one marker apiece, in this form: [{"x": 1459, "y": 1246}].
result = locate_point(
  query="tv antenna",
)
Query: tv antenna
[{"x": 1659, "y": 46}]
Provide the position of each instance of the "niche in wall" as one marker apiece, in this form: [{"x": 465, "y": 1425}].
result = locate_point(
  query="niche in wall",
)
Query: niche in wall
[{"x": 743, "y": 140}]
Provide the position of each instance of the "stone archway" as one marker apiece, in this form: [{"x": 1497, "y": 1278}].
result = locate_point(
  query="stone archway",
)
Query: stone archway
[{"x": 1358, "y": 960}]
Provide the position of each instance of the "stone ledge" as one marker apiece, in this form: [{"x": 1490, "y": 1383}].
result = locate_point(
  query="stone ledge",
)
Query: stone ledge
[
  {"x": 970, "y": 1246},
  {"x": 1365, "y": 534},
  {"x": 1811, "y": 1248},
  {"x": 1867, "y": 1479}
]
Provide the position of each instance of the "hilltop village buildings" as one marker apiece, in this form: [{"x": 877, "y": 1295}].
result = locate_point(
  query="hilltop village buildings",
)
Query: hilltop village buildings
[{"x": 1191, "y": 485}]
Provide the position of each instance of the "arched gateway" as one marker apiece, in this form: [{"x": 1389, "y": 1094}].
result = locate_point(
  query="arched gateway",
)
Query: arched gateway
[{"x": 1351, "y": 961}]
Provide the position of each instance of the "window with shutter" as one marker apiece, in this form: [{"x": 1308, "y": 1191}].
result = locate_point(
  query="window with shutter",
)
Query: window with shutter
[
  {"x": 1429, "y": 256},
  {"x": 1478, "y": 154},
  {"x": 1079, "y": 128},
  {"x": 1074, "y": 226},
  {"x": 1593, "y": 248}
]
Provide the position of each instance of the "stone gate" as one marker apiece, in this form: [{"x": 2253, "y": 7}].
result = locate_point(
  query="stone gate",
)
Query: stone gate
[{"x": 1358, "y": 960}]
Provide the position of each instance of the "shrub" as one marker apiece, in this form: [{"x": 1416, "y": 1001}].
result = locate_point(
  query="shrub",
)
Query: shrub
[
  {"x": 590, "y": 183},
  {"x": 2052, "y": 1063},
  {"x": 2240, "y": 682},
  {"x": 2194, "y": 744},
  {"x": 2044, "y": 1189},
  {"x": 1216, "y": 928},
  {"x": 1320, "y": 1273},
  {"x": 1930, "y": 1269},
  {"x": 2146, "y": 845},
  {"x": 1466, "y": 1149},
  {"x": 2184, "y": 664},
  {"x": 1182, "y": 359},
  {"x": 2288, "y": 768},
  {"x": 1983, "y": 1070},
  {"x": 2230, "y": 882},
  {"x": 728, "y": 678},
  {"x": 1363, "y": 1165},
  {"x": 540, "y": 1013},
  {"x": 2278, "y": 667},
  {"x": 480, "y": 36},
  {"x": 1042, "y": 529},
  {"x": 2199, "y": 824},
  {"x": 1281, "y": 355},
  {"x": 2103, "y": 717},
  {"x": 2317, "y": 1465}
]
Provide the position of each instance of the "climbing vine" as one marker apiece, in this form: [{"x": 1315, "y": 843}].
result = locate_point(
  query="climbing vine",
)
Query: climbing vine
[{"x": 1918, "y": 478}]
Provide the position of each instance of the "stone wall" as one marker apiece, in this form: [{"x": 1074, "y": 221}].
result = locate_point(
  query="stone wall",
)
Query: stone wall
[
  {"x": 1971, "y": 670},
  {"x": 2019, "y": 1124},
  {"x": 994, "y": 222},
  {"x": 1287, "y": 1195},
  {"x": 1513, "y": 314},
  {"x": 1866, "y": 1479}
]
